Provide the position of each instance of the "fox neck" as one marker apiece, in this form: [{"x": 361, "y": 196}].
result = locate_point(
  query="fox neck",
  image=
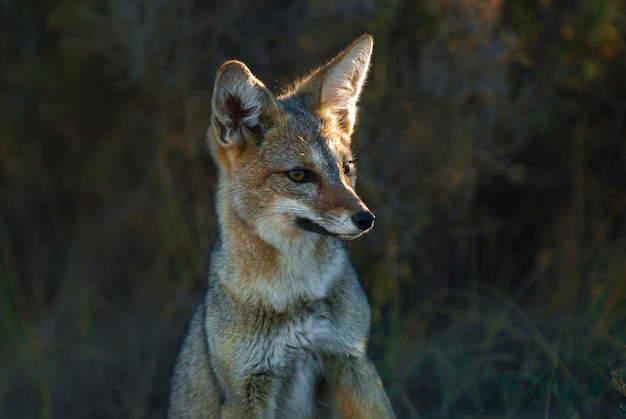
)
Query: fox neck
[{"x": 300, "y": 268}]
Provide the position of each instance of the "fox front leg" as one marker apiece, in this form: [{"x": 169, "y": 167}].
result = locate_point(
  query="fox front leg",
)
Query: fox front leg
[
  {"x": 255, "y": 398},
  {"x": 357, "y": 389}
]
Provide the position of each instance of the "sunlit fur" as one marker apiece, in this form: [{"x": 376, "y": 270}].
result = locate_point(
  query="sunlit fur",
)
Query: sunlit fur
[{"x": 282, "y": 330}]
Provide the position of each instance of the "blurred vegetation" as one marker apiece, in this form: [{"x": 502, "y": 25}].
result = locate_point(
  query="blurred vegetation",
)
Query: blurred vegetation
[{"x": 491, "y": 144}]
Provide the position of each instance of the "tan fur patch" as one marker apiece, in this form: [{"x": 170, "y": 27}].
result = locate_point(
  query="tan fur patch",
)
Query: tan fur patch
[
  {"x": 347, "y": 406},
  {"x": 252, "y": 256}
]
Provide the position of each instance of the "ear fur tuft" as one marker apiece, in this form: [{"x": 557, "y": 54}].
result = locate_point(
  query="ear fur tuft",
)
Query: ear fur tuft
[
  {"x": 238, "y": 100},
  {"x": 334, "y": 88},
  {"x": 346, "y": 76}
]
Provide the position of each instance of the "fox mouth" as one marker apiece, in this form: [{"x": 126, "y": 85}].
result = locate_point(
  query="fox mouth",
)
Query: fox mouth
[{"x": 308, "y": 225}]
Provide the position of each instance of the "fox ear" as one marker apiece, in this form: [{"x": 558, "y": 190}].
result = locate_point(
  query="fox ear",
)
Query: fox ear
[
  {"x": 240, "y": 100},
  {"x": 343, "y": 80}
]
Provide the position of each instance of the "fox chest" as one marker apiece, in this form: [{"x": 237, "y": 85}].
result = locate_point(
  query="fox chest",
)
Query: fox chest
[{"x": 279, "y": 342}]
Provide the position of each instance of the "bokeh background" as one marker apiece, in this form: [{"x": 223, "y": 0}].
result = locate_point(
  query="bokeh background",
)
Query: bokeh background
[{"x": 491, "y": 145}]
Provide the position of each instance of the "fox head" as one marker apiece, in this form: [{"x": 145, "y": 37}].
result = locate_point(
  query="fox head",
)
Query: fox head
[{"x": 286, "y": 167}]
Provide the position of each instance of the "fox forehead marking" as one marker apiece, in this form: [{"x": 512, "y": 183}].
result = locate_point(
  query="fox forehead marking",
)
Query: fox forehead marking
[{"x": 310, "y": 138}]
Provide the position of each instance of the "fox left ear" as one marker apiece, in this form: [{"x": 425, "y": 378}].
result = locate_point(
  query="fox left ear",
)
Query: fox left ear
[
  {"x": 343, "y": 80},
  {"x": 240, "y": 103}
]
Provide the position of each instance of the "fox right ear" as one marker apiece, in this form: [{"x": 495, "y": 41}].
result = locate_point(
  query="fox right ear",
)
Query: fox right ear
[
  {"x": 239, "y": 101},
  {"x": 335, "y": 88}
]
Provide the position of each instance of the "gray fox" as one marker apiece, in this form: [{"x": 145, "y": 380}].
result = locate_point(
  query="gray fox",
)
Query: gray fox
[{"x": 283, "y": 327}]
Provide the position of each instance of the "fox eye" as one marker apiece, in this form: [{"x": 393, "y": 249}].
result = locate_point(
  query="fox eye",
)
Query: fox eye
[
  {"x": 297, "y": 175},
  {"x": 300, "y": 175},
  {"x": 347, "y": 167}
]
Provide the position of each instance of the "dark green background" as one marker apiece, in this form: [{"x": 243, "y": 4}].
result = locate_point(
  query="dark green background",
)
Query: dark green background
[{"x": 491, "y": 145}]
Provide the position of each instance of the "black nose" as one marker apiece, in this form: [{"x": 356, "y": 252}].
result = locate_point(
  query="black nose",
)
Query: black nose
[{"x": 363, "y": 219}]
